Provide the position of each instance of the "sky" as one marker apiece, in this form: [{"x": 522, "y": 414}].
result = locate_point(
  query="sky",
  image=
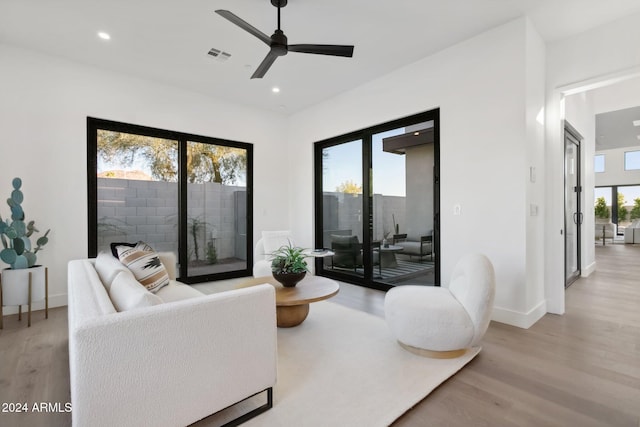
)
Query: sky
[
  {"x": 630, "y": 193},
  {"x": 344, "y": 163}
]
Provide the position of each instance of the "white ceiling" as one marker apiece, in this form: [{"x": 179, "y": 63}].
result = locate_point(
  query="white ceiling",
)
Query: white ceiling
[
  {"x": 167, "y": 41},
  {"x": 615, "y": 129}
]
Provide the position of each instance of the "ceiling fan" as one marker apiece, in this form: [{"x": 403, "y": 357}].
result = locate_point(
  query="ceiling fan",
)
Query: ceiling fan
[{"x": 278, "y": 42}]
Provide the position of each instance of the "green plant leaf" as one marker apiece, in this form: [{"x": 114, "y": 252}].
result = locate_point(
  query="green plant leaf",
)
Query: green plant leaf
[{"x": 8, "y": 255}]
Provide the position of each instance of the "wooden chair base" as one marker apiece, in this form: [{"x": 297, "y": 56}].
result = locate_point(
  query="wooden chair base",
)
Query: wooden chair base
[{"x": 452, "y": 354}]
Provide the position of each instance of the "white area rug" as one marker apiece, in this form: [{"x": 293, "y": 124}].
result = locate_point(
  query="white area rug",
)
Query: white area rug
[{"x": 342, "y": 367}]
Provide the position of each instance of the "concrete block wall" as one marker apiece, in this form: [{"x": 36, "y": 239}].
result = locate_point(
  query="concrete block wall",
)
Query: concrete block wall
[{"x": 132, "y": 210}]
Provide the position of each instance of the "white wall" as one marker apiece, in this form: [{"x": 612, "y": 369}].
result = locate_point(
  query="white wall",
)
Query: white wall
[
  {"x": 535, "y": 56},
  {"x": 480, "y": 88},
  {"x": 419, "y": 161},
  {"x": 604, "y": 54},
  {"x": 614, "y": 173},
  {"x": 44, "y": 104}
]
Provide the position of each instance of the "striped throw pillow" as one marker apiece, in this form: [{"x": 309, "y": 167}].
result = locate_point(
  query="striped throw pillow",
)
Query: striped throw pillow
[{"x": 145, "y": 266}]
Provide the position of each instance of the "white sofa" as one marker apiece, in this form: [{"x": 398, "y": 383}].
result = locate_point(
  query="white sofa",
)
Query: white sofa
[
  {"x": 168, "y": 364},
  {"x": 419, "y": 246}
]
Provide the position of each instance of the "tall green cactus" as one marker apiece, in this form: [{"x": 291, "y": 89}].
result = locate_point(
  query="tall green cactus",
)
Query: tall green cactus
[{"x": 15, "y": 234}]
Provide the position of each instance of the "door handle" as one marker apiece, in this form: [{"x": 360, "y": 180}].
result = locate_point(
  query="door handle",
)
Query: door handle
[
  {"x": 580, "y": 218},
  {"x": 575, "y": 218}
]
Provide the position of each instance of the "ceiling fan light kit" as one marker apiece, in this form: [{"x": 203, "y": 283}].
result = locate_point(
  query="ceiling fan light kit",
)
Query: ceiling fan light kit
[{"x": 278, "y": 42}]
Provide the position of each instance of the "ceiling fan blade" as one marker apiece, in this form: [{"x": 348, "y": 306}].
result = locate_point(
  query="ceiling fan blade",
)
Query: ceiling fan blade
[
  {"x": 322, "y": 49},
  {"x": 264, "y": 66},
  {"x": 244, "y": 25}
]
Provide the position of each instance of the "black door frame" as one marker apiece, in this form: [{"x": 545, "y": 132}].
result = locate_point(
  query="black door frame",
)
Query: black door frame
[
  {"x": 365, "y": 135},
  {"x": 574, "y": 136}
]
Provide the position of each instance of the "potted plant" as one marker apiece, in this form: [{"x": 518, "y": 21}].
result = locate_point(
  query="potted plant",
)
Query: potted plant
[
  {"x": 289, "y": 265},
  {"x": 24, "y": 281}
]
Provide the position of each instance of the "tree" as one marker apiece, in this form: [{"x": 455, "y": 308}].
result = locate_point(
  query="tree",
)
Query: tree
[
  {"x": 635, "y": 211},
  {"x": 349, "y": 187},
  {"x": 622, "y": 211},
  {"x": 205, "y": 162},
  {"x": 601, "y": 209}
]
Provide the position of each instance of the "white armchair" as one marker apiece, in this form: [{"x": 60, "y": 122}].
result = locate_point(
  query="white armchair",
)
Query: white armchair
[
  {"x": 444, "y": 322},
  {"x": 270, "y": 241}
]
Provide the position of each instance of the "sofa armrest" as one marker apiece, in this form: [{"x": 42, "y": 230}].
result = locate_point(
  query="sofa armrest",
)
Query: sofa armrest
[{"x": 173, "y": 364}]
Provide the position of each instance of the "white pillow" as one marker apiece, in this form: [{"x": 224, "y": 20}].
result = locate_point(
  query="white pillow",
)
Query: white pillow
[
  {"x": 145, "y": 266},
  {"x": 128, "y": 294},
  {"x": 108, "y": 268},
  {"x": 274, "y": 240}
]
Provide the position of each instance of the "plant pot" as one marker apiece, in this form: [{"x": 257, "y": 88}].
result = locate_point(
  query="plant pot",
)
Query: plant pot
[
  {"x": 15, "y": 285},
  {"x": 289, "y": 280}
]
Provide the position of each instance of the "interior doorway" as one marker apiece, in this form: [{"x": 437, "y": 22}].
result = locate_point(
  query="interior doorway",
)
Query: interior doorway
[{"x": 573, "y": 215}]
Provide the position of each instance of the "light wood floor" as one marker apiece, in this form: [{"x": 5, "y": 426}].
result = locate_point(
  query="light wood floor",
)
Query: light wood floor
[{"x": 579, "y": 369}]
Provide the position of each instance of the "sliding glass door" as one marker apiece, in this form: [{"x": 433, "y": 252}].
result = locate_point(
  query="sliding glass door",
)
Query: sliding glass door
[
  {"x": 403, "y": 197},
  {"x": 342, "y": 207},
  {"x": 177, "y": 192},
  {"x": 377, "y": 204}
]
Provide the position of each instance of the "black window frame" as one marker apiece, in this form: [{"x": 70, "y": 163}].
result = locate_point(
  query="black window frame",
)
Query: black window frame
[{"x": 95, "y": 124}]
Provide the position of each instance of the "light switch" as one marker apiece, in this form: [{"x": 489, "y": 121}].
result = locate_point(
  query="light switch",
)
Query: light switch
[{"x": 456, "y": 209}]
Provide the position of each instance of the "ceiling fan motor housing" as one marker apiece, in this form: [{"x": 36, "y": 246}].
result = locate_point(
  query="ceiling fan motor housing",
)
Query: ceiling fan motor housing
[{"x": 279, "y": 43}]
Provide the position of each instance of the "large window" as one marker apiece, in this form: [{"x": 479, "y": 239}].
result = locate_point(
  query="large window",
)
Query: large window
[
  {"x": 377, "y": 197},
  {"x": 182, "y": 193}
]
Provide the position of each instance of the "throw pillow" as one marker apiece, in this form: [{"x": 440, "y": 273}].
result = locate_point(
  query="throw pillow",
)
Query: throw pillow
[
  {"x": 127, "y": 293},
  {"x": 145, "y": 266},
  {"x": 139, "y": 245}
]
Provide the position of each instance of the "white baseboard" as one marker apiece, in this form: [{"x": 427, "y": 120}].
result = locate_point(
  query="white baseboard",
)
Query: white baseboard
[
  {"x": 58, "y": 300},
  {"x": 519, "y": 319},
  {"x": 586, "y": 272}
]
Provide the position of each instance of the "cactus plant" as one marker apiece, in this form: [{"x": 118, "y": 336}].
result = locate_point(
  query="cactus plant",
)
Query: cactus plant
[{"x": 15, "y": 234}]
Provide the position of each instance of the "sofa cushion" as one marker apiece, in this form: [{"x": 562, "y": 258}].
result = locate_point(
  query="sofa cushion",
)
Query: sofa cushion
[
  {"x": 128, "y": 294},
  {"x": 145, "y": 266},
  {"x": 175, "y": 291},
  {"x": 108, "y": 267}
]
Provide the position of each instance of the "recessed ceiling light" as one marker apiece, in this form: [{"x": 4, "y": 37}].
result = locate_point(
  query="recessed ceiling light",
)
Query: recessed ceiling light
[
  {"x": 104, "y": 36},
  {"x": 275, "y": 89},
  {"x": 636, "y": 122},
  {"x": 416, "y": 133}
]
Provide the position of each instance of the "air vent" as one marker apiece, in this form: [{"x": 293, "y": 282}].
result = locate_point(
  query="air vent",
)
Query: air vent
[{"x": 218, "y": 54}]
